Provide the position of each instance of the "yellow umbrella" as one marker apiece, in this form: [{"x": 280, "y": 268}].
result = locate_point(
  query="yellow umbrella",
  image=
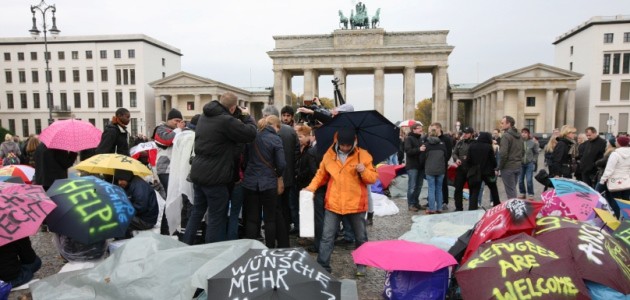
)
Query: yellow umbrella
[
  {"x": 608, "y": 218},
  {"x": 108, "y": 163}
]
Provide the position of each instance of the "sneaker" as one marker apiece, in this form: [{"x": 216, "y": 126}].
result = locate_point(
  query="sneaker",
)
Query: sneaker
[
  {"x": 444, "y": 206},
  {"x": 429, "y": 212},
  {"x": 521, "y": 196},
  {"x": 413, "y": 208}
]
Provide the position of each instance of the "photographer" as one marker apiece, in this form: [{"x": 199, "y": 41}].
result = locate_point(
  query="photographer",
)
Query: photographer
[{"x": 314, "y": 113}]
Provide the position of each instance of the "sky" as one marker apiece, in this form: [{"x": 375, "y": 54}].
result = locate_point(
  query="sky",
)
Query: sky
[{"x": 228, "y": 40}]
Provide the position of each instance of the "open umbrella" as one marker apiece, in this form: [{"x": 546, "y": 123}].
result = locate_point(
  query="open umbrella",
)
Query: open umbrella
[
  {"x": 577, "y": 197},
  {"x": 408, "y": 123},
  {"x": 596, "y": 254},
  {"x": 387, "y": 173},
  {"x": 508, "y": 218},
  {"x": 393, "y": 255},
  {"x": 23, "y": 207},
  {"x": 607, "y": 218},
  {"x": 375, "y": 133},
  {"x": 71, "y": 135},
  {"x": 274, "y": 274},
  {"x": 150, "y": 148},
  {"x": 622, "y": 234},
  {"x": 624, "y": 207},
  {"x": 23, "y": 171},
  {"x": 108, "y": 163},
  {"x": 519, "y": 267},
  {"x": 89, "y": 209},
  {"x": 11, "y": 179}
]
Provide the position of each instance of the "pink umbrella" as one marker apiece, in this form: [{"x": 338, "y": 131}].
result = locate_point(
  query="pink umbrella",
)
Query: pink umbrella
[
  {"x": 401, "y": 255},
  {"x": 387, "y": 173},
  {"x": 23, "y": 171},
  {"x": 574, "y": 205},
  {"x": 71, "y": 135},
  {"x": 554, "y": 206},
  {"x": 23, "y": 207}
]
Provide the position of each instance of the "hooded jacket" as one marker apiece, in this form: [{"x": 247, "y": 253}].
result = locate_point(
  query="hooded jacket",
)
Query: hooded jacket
[
  {"x": 346, "y": 189},
  {"x": 482, "y": 154},
  {"x": 258, "y": 174},
  {"x": 435, "y": 157},
  {"x": 217, "y": 138},
  {"x": 561, "y": 158},
  {"x": 511, "y": 150},
  {"x": 142, "y": 197},
  {"x": 618, "y": 164}
]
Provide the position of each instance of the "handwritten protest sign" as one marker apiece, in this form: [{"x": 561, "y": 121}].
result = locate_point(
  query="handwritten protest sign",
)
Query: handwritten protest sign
[{"x": 22, "y": 210}]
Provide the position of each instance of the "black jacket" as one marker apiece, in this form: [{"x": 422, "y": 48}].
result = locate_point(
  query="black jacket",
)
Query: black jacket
[
  {"x": 460, "y": 151},
  {"x": 435, "y": 157},
  {"x": 290, "y": 144},
  {"x": 448, "y": 142},
  {"x": 218, "y": 135},
  {"x": 481, "y": 153},
  {"x": 13, "y": 255},
  {"x": 114, "y": 140},
  {"x": 593, "y": 151},
  {"x": 561, "y": 158},
  {"x": 412, "y": 149},
  {"x": 266, "y": 164},
  {"x": 305, "y": 167},
  {"x": 52, "y": 164},
  {"x": 142, "y": 197}
]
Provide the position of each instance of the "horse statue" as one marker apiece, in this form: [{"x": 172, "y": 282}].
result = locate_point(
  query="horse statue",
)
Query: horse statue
[
  {"x": 376, "y": 18},
  {"x": 360, "y": 19},
  {"x": 343, "y": 21}
]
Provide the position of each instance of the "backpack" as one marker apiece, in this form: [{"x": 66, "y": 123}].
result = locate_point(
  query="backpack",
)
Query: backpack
[{"x": 10, "y": 159}]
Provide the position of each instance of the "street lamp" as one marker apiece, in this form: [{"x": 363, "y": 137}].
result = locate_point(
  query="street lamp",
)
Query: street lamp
[{"x": 42, "y": 7}]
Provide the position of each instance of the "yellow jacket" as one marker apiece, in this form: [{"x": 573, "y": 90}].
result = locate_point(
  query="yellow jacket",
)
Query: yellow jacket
[{"x": 346, "y": 193}]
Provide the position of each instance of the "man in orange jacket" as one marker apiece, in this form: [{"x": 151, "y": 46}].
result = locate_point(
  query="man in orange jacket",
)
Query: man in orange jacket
[{"x": 345, "y": 169}]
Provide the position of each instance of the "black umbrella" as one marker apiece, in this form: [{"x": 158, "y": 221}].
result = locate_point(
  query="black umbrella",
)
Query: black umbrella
[
  {"x": 274, "y": 274},
  {"x": 459, "y": 248},
  {"x": 375, "y": 133}
]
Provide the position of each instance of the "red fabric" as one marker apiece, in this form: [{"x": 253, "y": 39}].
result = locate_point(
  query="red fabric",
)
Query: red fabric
[
  {"x": 152, "y": 155},
  {"x": 387, "y": 173}
]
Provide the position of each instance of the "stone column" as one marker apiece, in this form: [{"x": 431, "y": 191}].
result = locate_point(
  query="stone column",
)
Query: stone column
[
  {"x": 379, "y": 90},
  {"x": 174, "y": 103},
  {"x": 309, "y": 91},
  {"x": 488, "y": 113},
  {"x": 454, "y": 108},
  {"x": 409, "y": 79},
  {"x": 278, "y": 88},
  {"x": 520, "y": 109},
  {"x": 561, "y": 106},
  {"x": 500, "y": 105},
  {"x": 341, "y": 74},
  {"x": 571, "y": 108},
  {"x": 492, "y": 113},
  {"x": 479, "y": 113},
  {"x": 476, "y": 115},
  {"x": 440, "y": 91},
  {"x": 550, "y": 111},
  {"x": 158, "y": 110},
  {"x": 198, "y": 107}
]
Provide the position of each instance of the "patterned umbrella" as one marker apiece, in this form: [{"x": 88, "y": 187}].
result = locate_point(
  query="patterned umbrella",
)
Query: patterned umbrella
[
  {"x": 108, "y": 163},
  {"x": 23, "y": 171},
  {"x": 408, "y": 123},
  {"x": 23, "y": 207},
  {"x": 571, "y": 199},
  {"x": 71, "y": 135}
]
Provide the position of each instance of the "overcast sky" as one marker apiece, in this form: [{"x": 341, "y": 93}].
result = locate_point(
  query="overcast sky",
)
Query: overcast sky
[{"x": 228, "y": 40}]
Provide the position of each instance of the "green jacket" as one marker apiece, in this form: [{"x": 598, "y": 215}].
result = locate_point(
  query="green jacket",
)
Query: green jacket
[{"x": 511, "y": 150}]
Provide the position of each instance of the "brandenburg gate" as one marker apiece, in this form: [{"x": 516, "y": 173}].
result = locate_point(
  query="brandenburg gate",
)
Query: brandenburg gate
[{"x": 364, "y": 51}]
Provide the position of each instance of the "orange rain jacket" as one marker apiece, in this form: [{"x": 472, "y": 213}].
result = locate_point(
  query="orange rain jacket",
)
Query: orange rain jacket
[{"x": 346, "y": 193}]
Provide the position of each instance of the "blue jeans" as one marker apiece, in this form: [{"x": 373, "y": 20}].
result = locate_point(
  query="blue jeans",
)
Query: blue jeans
[
  {"x": 236, "y": 203},
  {"x": 527, "y": 173},
  {"x": 435, "y": 191},
  {"x": 392, "y": 159},
  {"x": 331, "y": 226},
  {"x": 509, "y": 178},
  {"x": 414, "y": 186},
  {"x": 213, "y": 200}
]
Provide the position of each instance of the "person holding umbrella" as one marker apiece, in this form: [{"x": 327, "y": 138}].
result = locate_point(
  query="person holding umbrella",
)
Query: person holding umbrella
[
  {"x": 346, "y": 169},
  {"x": 51, "y": 164}
]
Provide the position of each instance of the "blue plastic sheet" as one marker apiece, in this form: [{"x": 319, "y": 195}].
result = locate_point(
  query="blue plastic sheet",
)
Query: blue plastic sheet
[
  {"x": 410, "y": 285},
  {"x": 5, "y": 290},
  {"x": 601, "y": 292},
  {"x": 377, "y": 187}
]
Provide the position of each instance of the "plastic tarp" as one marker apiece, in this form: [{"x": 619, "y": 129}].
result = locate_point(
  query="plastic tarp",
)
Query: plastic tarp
[
  {"x": 383, "y": 206},
  {"x": 441, "y": 230}
]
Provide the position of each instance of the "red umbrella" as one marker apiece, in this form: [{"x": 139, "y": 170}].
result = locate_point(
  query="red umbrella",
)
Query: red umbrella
[
  {"x": 597, "y": 255},
  {"x": 387, "y": 173},
  {"x": 401, "y": 255},
  {"x": 71, "y": 135},
  {"x": 509, "y": 218}
]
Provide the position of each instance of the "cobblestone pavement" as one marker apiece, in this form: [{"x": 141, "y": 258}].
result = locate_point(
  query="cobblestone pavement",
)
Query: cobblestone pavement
[{"x": 369, "y": 287}]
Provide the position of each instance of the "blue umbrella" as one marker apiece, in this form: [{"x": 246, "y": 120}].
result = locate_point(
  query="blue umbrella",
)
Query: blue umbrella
[
  {"x": 89, "y": 209},
  {"x": 375, "y": 133}
]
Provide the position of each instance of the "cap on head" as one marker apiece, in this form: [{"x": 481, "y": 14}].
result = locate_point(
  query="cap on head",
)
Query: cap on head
[
  {"x": 174, "y": 114},
  {"x": 345, "y": 108},
  {"x": 346, "y": 136},
  {"x": 469, "y": 130}
]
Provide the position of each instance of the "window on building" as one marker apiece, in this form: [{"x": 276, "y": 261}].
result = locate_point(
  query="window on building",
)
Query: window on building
[
  {"x": 12, "y": 125},
  {"x": 89, "y": 75},
  {"x": 118, "y": 76},
  {"x": 134, "y": 126},
  {"x": 77, "y": 100},
  {"x": 47, "y": 55},
  {"x": 33, "y": 55},
  {"x": 625, "y": 68},
  {"x": 61, "y": 55},
  {"x": 93, "y": 121},
  {"x": 49, "y": 76},
  {"x": 75, "y": 54},
  {"x": 105, "y": 122},
  {"x": 35, "y": 75},
  {"x": 131, "y": 53},
  {"x": 20, "y": 56},
  {"x": 605, "y": 93},
  {"x": 7, "y": 56},
  {"x": 163, "y": 74},
  {"x": 105, "y": 99},
  {"x": 125, "y": 76},
  {"x": 571, "y": 66},
  {"x": 22, "y": 76},
  {"x": 36, "y": 103},
  {"x": 9, "y": 76},
  {"x": 49, "y": 100},
  {"x": 88, "y": 54},
  {"x": 616, "y": 63},
  {"x": 62, "y": 75},
  {"x": 23, "y": 100},
  {"x": 116, "y": 53},
  {"x": 104, "y": 75},
  {"x": 625, "y": 90},
  {"x": 603, "y": 126},
  {"x": 25, "y": 131},
  {"x": 606, "y": 63},
  {"x": 623, "y": 122},
  {"x": 38, "y": 126},
  {"x": 133, "y": 102},
  {"x": 103, "y": 54},
  {"x": 608, "y": 38},
  {"x": 10, "y": 103},
  {"x": 190, "y": 105},
  {"x": 63, "y": 97},
  {"x": 132, "y": 76},
  {"x": 76, "y": 77},
  {"x": 91, "y": 100},
  {"x": 163, "y": 62},
  {"x": 626, "y": 37},
  {"x": 571, "y": 51},
  {"x": 119, "y": 99}
]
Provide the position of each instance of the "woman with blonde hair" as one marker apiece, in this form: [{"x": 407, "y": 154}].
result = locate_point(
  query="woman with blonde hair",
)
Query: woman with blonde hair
[
  {"x": 10, "y": 151},
  {"x": 562, "y": 157}
]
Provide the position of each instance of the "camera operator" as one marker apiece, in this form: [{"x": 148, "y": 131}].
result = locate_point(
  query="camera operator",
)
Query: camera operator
[{"x": 314, "y": 113}]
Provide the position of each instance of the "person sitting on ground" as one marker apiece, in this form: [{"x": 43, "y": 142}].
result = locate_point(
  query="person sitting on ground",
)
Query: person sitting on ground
[
  {"x": 18, "y": 262},
  {"x": 142, "y": 197}
]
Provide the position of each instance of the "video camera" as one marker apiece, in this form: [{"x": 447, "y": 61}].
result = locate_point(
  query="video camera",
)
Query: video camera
[{"x": 311, "y": 119}]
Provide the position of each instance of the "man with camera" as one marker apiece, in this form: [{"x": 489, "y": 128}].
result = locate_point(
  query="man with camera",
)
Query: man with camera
[{"x": 313, "y": 113}]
